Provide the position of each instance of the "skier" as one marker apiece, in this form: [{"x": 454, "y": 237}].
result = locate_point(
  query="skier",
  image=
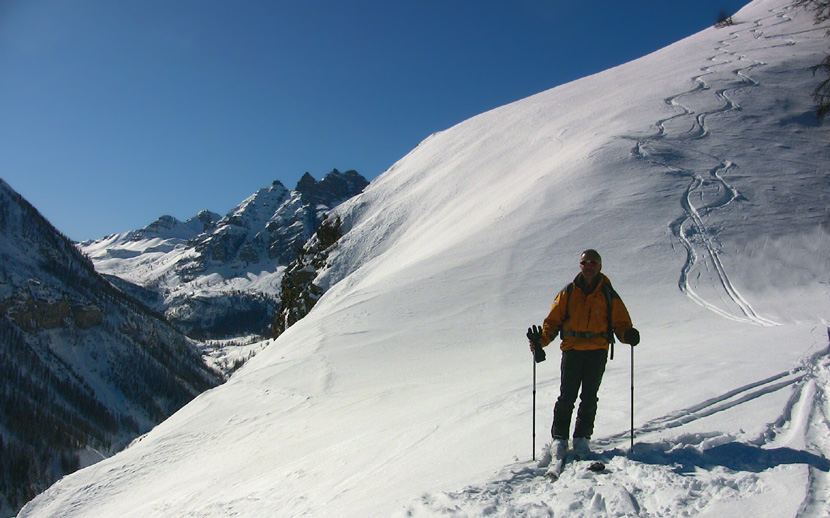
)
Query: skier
[{"x": 586, "y": 314}]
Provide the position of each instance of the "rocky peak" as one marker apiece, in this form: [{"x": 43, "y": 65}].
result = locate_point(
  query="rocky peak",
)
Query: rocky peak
[
  {"x": 160, "y": 227},
  {"x": 168, "y": 227},
  {"x": 333, "y": 189},
  {"x": 203, "y": 221},
  {"x": 257, "y": 208},
  {"x": 306, "y": 184}
]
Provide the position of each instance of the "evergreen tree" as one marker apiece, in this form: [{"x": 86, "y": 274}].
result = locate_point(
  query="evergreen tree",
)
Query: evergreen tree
[{"x": 821, "y": 11}]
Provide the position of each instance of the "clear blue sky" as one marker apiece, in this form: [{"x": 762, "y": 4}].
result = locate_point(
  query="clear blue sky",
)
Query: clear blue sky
[{"x": 115, "y": 112}]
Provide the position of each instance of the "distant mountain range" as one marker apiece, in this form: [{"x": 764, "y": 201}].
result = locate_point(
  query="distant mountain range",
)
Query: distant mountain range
[
  {"x": 219, "y": 277},
  {"x": 84, "y": 367}
]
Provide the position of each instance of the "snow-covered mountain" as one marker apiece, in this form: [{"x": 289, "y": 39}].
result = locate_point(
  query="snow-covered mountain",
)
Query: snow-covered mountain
[
  {"x": 701, "y": 175},
  {"x": 84, "y": 368},
  {"x": 169, "y": 228},
  {"x": 220, "y": 277}
]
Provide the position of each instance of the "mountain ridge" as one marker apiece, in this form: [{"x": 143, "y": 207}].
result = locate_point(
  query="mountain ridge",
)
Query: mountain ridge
[{"x": 224, "y": 280}]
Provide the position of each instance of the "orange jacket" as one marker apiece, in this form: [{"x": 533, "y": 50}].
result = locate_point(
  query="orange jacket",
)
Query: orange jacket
[{"x": 586, "y": 313}]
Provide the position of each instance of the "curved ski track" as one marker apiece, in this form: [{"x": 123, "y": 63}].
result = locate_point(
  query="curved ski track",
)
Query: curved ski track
[{"x": 708, "y": 191}]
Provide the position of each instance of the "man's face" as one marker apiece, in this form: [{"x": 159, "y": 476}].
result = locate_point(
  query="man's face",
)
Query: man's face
[{"x": 590, "y": 266}]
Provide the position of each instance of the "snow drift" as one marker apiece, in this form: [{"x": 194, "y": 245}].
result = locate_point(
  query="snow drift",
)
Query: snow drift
[{"x": 698, "y": 172}]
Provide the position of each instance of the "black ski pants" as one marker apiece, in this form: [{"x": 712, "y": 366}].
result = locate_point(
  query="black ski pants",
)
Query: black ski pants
[{"x": 578, "y": 369}]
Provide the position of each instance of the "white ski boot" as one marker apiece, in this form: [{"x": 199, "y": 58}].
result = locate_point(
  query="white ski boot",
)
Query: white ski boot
[
  {"x": 582, "y": 448},
  {"x": 558, "y": 454}
]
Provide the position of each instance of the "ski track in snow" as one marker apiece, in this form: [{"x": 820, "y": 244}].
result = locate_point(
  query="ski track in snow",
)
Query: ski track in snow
[
  {"x": 708, "y": 191},
  {"x": 712, "y": 406},
  {"x": 682, "y": 475},
  {"x": 664, "y": 477},
  {"x": 815, "y": 401}
]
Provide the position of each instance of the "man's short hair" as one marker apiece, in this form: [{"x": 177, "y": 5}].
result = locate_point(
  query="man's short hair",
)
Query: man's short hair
[{"x": 592, "y": 253}]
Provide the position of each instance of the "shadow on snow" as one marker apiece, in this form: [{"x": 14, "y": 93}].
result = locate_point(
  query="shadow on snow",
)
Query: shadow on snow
[{"x": 735, "y": 456}]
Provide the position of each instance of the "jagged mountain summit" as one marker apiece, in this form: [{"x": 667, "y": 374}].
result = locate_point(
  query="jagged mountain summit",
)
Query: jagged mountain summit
[
  {"x": 219, "y": 277},
  {"x": 168, "y": 227},
  {"x": 700, "y": 174},
  {"x": 84, "y": 368}
]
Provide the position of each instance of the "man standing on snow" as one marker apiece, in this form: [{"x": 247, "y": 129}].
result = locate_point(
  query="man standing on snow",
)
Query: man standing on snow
[{"x": 586, "y": 314}]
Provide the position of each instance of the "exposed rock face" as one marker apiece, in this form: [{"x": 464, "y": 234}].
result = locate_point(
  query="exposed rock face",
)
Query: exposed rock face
[
  {"x": 333, "y": 189},
  {"x": 34, "y": 315},
  {"x": 299, "y": 293},
  {"x": 271, "y": 225}
]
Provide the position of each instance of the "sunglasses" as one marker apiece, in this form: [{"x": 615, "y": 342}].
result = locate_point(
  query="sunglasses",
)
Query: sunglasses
[{"x": 590, "y": 262}]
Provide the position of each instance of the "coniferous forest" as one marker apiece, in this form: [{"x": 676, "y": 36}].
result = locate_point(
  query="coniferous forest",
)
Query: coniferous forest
[{"x": 84, "y": 368}]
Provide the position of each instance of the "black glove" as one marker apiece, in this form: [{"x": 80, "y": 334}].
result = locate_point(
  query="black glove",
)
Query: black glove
[
  {"x": 632, "y": 337},
  {"x": 534, "y": 334}
]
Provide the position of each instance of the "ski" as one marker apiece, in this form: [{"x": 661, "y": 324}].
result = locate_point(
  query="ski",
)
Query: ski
[
  {"x": 557, "y": 466},
  {"x": 587, "y": 461}
]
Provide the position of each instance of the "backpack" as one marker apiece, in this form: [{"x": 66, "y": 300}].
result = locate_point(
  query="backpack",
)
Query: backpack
[{"x": 610, "y": 295}]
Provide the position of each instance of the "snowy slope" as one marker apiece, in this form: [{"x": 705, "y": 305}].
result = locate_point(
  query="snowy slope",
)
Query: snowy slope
[{"x": 700, "y": 175}]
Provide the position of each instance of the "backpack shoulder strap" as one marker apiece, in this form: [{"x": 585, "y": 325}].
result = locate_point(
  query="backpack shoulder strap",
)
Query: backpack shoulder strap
[
  {"x": 610, "y": 295},
  {"x": 568, "y": 289}
]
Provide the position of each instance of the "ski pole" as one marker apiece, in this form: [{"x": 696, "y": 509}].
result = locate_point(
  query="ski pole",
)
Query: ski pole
[
  {"x": 631, "y": 451},
  {"x": 534, "y": 409},
  {"x": 534, "y": 334}
]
